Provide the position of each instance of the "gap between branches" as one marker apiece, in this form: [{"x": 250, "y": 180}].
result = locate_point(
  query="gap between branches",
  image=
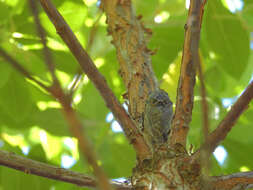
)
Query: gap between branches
[{"x": 220, "y": 133}]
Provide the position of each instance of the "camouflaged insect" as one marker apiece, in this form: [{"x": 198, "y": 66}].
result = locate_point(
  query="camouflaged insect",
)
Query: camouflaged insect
[{"x": 157, "y": 117}]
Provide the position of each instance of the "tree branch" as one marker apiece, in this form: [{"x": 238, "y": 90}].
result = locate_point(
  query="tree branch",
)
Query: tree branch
[
  {"x": 204, "y": 101},
  {"x": 185, "y": 96},
  {"x": 75, "y": 124},
  {"x": 130, "y": 40},
  {"x": 93, "y": 32},
  {"x": 76, "y": 81},
  {"x": 230, "y": 119},
  {"x": 242, "y": 180},
  {"x": 99, "y": 81},
  {"x": 76, "y": 129},
  {"x": 42, "y": 34},
  {"x": 205, "y": 157},
  {"x": 30, "y": 166}
]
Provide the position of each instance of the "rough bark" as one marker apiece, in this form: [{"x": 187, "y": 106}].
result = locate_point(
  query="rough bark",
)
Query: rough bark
[{"x": 130, "y": 40}]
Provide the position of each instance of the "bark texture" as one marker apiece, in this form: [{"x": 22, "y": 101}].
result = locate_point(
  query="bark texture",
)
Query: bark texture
[{"x": 129, "y": 36}]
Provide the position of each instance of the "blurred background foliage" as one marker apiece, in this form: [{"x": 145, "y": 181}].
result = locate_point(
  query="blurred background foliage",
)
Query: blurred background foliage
[{"x": 31, "y": 123}]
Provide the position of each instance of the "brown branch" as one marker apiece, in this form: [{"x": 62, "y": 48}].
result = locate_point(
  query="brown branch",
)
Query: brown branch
[
  {"x": 204, "y": 101},
  {"x": 76, "y": 129},
  {"x": 93, "y": 32},
  {"x": 42, "y": 35},
  {"x": 70, "y": 115},
  {"x": 75, "y": 82},
  {"x": 99, "y": 81},
  {"x": 230, "y": 119},
  {"x": 242, "y": 180},
  {"x": 74, "y": 122},
  {"x": 79, "y": 74},
  {"x": 130, "y": 40},
  {"x": 185, "y": 91},
  {"x": 18, "y": 67},
  {"x": 30, "y": 166},
  {"x": 205, "y": 157}
]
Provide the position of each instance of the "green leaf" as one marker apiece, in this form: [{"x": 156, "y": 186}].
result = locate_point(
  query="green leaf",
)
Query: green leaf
[
  {"x": 92, "y": 105},
  {"x": 22, "y": 23},
  {"x": 31, "y": 61},
  {"x": 12, "y": 179},
  {"x": 11, "y": 121},
  {"x": 213, "y": 85},
  {"x": 228, "y": 39},
  {"x": 242, "y": 130},
  {"x": 238, "y": 155},
  {"x": 63, "y": 60},
  {"x": 74, "y": 12},
  {"x": 4, "y": 13},
  {"x": 15, "y": 99},
  {"x": 168, "y": 39},
  {"x": 146, "y": 9},
  {"x": 110, "y": 71},
  {"x": 37, "y": 153},
  {"x": 247, "y": 13},
  {"x": 6, "y": 72},
  {"x": 52, "y": 121},
  {"x": 116, "y": 165}
]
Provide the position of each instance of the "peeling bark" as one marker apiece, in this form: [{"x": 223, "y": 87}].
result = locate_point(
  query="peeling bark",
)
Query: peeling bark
[{"x": 130, "y": 40}]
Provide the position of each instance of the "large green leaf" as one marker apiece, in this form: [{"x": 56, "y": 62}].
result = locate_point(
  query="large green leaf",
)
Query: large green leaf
[
  {"x": 52, "y": 121},
  {"x": 74, "y": 12},
  {"x": 32, "y": 62},
  {"x": 242, "y": 131},
  {"x": 168, "y": 40},
  {"x": 238, "y": 155},
  {"x": 146, "y": 9},
  {"x": 12, "y": 179},
  {"x": 122, "y": 158},
  {"x": 4, "y": 13},
  {"x": 228, "y": 39},
  {"x": 247, "y": 13},
  {"x": 92, "y": 105},
  {"x": 15, "y": 99},
  {"x": 63, "y": 60},
  {"x": 6, "y": 72}
]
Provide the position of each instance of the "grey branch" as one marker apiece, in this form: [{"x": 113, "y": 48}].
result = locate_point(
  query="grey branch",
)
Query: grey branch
[{"x": 241, "y": 180}]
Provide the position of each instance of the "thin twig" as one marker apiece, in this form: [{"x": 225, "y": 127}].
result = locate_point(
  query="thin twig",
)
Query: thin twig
[
  {"x": 93, "y": 32},
  {"x": 30, "y": 166},
  {"x": 75, "y": 82},
  {"x": 77, "y": 130},
  {"x": 42, "y": 35},
  {"x": 76, "y": 127},
  {"x": 18, "y": 67},
  {"x": 185, "y": 91},
  {"x": 205, "y": 157},
  {"x": 220, "y": 133},
  {"x": 99, "y": 81},
  {"x": 242, "y": 180},
  {"x": 204, "y": 101},
  {"x": 79, "y": 74}
]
